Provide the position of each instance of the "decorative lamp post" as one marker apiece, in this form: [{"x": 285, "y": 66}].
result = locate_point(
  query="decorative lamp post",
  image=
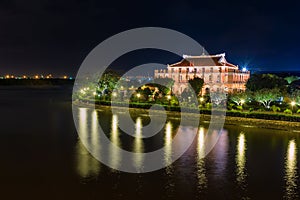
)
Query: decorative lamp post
[
  {"x": 169, "y": 98},
  {"x": 293, "y": 103},
  {"x": 138, "y": 96}
]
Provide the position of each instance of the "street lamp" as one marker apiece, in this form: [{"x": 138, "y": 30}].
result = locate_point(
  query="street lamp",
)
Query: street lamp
[
  {"x": 169, "y": 98},
  {"x": 293, "y": 103},
  {"x": 242, "y": 101},
  {"x": 138, "y": 96},
  {"x": 201, "y": 99}
]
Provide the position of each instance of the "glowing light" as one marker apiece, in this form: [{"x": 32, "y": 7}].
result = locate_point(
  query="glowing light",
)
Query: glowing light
[
  {"x": 169, "y": 97},
  {"x": 242, "y": 101},
  {"x": 244, "y": 69},
  {"x": 94, "y": 93},
  {"x": 293, "y": 103},
  {"x": 114, "y": 94},
  {"x": 138, "y": 95},
  {"x": 65, "y": 77},
  {"x": 201, "y": 99},
  {"x": 7, "y": 76},
  {"x": 36, "y": 76}
]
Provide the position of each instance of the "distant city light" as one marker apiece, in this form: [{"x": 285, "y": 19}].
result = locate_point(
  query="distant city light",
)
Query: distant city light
[{"x": 36, "y": 76}]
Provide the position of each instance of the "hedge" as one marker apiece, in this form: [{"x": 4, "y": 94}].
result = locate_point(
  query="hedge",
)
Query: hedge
[{"x": 231, "y": 113}]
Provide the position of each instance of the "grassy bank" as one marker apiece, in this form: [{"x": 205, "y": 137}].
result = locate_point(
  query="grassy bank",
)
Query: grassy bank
[{"x": 259, "y": 119}]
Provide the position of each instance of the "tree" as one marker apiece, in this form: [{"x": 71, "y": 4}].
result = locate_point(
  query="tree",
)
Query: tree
[
  {"x": 291, "y": 79},
  {"x": 239, "y": 98},
  {"x": 108, "y": 82},
  {"x": 265, "y": 81},
  {"x": 296, "y": 97},
  {"x": 266, "y": 96},
  {"x": 164, "y": 85},
  {"x": 196, "y": 84}
]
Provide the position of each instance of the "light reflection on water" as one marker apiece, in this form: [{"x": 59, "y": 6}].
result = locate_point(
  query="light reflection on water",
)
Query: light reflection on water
[
  {"x": 138, "y": 145},
  {"x": 291, "y": 176},
  {"x": 115, "y": 159},
  {"x": 169, "y": 188},
  {"x": 241, "y": 160},
  {"x": 87, "y": 166},
  {"x": 202, "y": 180}
]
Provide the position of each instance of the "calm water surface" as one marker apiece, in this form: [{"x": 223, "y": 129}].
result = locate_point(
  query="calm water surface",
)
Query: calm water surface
[{"x": 42, "y": 157}]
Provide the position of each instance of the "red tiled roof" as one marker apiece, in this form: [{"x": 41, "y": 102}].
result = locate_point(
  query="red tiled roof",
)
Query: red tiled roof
[{"x": 202, "y": 61}]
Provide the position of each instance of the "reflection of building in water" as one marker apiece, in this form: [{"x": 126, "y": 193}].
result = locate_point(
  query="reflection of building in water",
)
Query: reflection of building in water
[
  {"x": 291, "y": 177},
  {"x": 218, "y": 74},
  {"x": 201, "y": 172},
  {"x": 220, "y": 152},
  {"x": 241, "y": 161},
  {"x": 138, "y": 145}
]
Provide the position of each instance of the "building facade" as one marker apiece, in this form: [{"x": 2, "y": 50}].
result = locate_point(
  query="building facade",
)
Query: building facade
[{"x": 217, "y": 73}]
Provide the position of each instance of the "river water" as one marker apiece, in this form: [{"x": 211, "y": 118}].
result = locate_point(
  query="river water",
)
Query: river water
[{"x": 42, "y": 156}]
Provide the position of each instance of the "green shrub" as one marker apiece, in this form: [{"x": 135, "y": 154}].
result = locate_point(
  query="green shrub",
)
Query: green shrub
[
  {"x": 288, "y": 111},
  {"x": 208, "y": 105},
  {"x": 230, "y": 106},
  {"x": 239, "y": 107},
  {"x": 298, "y": 111},
  {"x": 275, "y": 108}
]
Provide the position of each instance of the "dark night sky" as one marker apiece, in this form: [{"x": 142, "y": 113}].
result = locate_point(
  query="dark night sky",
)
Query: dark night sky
[{"x": 54, "y": 36}]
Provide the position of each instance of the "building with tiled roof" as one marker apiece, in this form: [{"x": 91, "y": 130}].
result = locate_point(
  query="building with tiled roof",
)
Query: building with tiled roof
[{"x": 218, "y": 74}]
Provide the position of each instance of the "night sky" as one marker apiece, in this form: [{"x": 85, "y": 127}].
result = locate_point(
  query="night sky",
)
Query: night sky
[{"x": 54, "y": 36}]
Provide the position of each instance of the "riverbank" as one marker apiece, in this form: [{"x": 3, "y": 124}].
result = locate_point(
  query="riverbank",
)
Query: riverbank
[{"x": 205, "y": 118}]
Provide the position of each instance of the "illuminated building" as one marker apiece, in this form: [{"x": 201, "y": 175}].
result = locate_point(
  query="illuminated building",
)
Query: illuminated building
[{"x": 218, "y": 74}]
